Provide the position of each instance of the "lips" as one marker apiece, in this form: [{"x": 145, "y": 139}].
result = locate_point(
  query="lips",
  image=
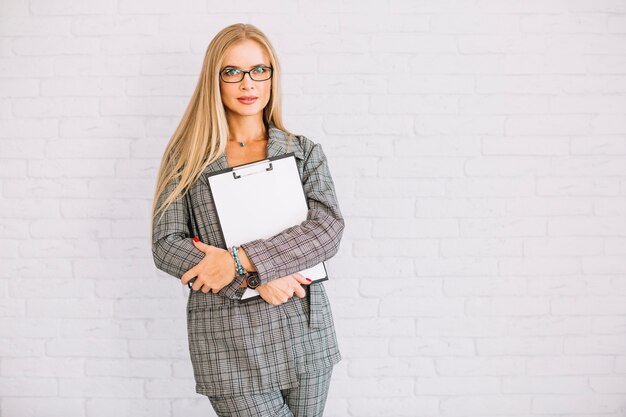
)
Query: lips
[{"x": 247, "y": 99}]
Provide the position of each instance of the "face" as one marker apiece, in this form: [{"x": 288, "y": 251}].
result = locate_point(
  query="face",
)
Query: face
[{"x": 245, "y": 55}]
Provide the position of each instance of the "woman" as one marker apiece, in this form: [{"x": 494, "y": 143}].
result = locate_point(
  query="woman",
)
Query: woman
[{"x": 272, "y": 356}]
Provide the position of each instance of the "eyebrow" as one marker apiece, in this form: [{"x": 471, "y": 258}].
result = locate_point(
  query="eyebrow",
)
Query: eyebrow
[{"x": 235, "y": 66}]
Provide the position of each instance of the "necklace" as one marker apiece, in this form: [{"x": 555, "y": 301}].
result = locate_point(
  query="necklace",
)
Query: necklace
[{"x": 241, "y": 144}]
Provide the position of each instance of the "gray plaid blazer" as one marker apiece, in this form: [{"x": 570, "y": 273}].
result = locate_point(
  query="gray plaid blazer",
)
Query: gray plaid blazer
[{"x": 253, "y": 347}]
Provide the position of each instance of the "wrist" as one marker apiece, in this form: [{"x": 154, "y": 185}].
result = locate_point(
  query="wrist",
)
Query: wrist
[
  {"x": 245, "y": 261},
  {"x": 239, "y": 269}
]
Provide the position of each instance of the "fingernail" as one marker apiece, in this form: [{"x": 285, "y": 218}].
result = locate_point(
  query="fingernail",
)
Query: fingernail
[
  {"x": 309, "y": 279},
  {"x": 195, "y": 239}
]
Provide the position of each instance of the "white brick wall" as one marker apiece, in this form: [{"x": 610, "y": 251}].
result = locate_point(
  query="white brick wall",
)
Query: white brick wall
[{"x": 479, "y": 152}]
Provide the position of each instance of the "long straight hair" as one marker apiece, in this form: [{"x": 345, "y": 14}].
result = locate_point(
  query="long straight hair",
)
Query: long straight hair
[{"x": 202, "y": 134}]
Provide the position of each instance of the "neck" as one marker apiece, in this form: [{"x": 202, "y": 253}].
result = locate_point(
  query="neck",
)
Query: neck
[{"x": 246, "y": 129}]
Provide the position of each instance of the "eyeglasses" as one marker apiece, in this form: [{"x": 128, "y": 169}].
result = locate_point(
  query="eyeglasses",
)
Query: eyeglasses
[{"x": 235, "y": 75}]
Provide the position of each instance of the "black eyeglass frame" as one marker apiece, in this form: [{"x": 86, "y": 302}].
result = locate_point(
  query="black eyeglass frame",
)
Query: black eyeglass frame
[{"x": 249, "y": 72}]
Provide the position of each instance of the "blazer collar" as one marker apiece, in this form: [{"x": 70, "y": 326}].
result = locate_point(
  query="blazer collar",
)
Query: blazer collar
[{"x": 277, "y": 144}]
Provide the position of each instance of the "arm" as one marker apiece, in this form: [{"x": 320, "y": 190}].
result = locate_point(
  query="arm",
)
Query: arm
[
  {"x": 314, "y": 240},
  {"x": 172, "y": 246}
]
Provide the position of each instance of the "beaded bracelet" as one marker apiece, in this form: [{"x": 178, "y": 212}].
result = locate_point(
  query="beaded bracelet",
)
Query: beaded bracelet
[{"x": 239, "y": 268}]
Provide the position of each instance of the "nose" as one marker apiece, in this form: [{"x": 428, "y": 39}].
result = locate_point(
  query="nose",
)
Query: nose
[{"x": 247, "y": 81}]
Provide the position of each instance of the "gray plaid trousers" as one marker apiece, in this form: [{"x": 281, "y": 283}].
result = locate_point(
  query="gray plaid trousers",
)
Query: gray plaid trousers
[{"x": 306, "y": 400}]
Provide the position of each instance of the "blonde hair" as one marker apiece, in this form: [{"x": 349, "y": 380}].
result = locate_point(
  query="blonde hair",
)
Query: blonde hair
[{"x": 202, "y": 134}]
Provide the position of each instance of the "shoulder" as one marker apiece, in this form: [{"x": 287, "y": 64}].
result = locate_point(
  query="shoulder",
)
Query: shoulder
[{"x": 302, "y": 146}]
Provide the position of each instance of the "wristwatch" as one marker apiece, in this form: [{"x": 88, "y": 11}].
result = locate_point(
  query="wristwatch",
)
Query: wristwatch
[{"x": 253, "y": 280}]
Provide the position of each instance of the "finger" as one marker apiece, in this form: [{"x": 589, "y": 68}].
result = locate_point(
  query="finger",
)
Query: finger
[
  {"x": 300, "y": 292},
  {"x": 301, "y": 279},
  {"x": 193, "y": 272},
  {"x": 201, "y": 246},
  {"x": 205, "y": 289},
  {"x": 197, "y": 284}
]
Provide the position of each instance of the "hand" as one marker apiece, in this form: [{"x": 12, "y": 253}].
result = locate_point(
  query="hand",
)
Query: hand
[
  {"x": 212, "y": 273},
  {"x": 279, "y": 290}
]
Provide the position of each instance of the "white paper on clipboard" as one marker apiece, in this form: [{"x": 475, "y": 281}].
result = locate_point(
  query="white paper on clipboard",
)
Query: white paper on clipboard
[{"x": 273, "y": 188}]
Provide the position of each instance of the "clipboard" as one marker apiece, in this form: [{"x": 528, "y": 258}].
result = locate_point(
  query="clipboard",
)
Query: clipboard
[{"x": 270, "y": 189}]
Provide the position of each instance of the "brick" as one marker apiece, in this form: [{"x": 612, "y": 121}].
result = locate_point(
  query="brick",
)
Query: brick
[
  {"x": 335, "y": 43},
  {"x": 386, "y": 187},
  {"x": 546, "y": 385},
  {"x": 520, "y": 345},
  {"x": 414, "y": 228},
  {"x": 12, "y": 169},
  {"x": 374, "y": 387},
  {"x": 405, "y": 287},
  {"x": 165, "y": 348},
  {"x": 378, "y": 327},
  {"x": 72, "y": 168},
  {"x": 102, "y": 387},
  {"x": 608, "y": 384},
  {"x": 391, "y": 367},
  {"x": 162, "y": 7},
  {"x": 400, "y": 306},
  {"x": 480, "y": 247},
  {"x": 167, "y": 329},
  {"x": 69, "y": 308},
  {"x": 102, "y": 127},
  {"x": 85, "y": 86},
  {"x": 114, "y": 25},
  {"x": 22, "y": 327},
  {"x": 51, "y": 288},
  {"x": 130, "y": 368},
  {"x": 560, "y": 365},
  {"x": 460, "y": 125},
  {"x": 105, "y": 209},
  {"x": 55, "y": 268},
  {"x": 486, "y": 405},
  {"x": 399, "y": 407},
  {"x": 480, "y": 366},
  {"x": 49, "y": 407},
  {"x": 71, "y": 228},
  {"x": 363, "y": 347},
  {"x": 46, "y": 188},
  {"x": 431, "y": 346},
  {"x": 136, "y": 288},
  {"x": 29, "y": 208},
  {"x": 502, "y": 227},
  {"x": 20, "y": 347},
  {"x": 28, "y": 387},
  {"x": 586, "y": 187},
  {"x": 568, "y": 404},
  {"x": 457, "y": 386},
  {"x": 53, "y": 45},
  {"x": 503, "y": 326},
  {"x": 42, "y": 367},
  {"x": 148, "y": 308},
  {"x": 77, "y": 328},
  {"x": 12, "y": 87},
  {"x": 507, "y": 306},
  {"x": 163, "y": 388},
  {"x": 127, "y": 407}
]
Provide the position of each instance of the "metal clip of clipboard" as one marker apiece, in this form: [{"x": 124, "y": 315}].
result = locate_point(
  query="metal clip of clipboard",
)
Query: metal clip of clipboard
[{"x": 250, "y": 169}]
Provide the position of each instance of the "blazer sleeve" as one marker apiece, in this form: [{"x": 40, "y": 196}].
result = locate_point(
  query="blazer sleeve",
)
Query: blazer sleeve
[
  {"x": 314, "y": 240},
  {"x": 173, "y": 250}
]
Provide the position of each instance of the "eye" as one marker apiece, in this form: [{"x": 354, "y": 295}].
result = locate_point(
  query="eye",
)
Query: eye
[
  {"x": 231, "y": 71},
  {"x": 259, "y": 70}
]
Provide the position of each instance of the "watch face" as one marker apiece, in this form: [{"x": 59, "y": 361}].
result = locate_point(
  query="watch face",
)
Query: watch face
[{"x": 253, "y": 280}]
